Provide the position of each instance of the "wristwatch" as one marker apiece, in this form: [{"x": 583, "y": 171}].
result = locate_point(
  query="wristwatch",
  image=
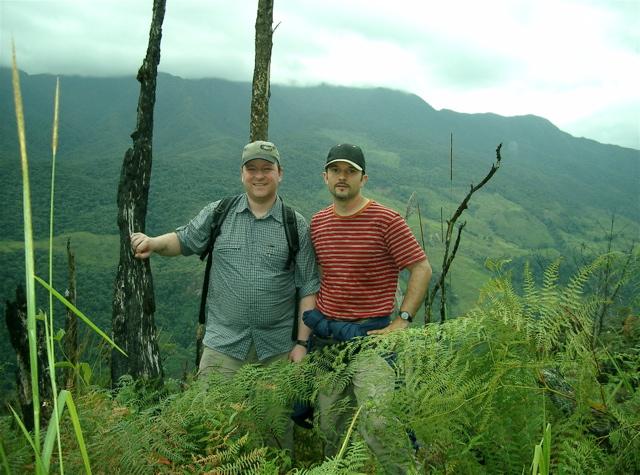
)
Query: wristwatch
[
  {"x": 304, "y": 343},
  {"x": 406, "y": 316}
]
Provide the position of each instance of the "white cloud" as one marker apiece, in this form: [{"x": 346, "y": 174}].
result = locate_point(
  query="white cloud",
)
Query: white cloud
[{"x": 570, "y": 61}]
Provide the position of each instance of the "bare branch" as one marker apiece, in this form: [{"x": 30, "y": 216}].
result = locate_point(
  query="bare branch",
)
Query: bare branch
[{"x": 448, "y": 258}]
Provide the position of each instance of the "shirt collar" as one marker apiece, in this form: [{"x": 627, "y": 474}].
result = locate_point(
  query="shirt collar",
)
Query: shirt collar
[{"x": 275, "y": 211}]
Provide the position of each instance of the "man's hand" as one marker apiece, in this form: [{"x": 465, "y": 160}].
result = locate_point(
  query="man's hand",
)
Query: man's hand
[
  {"x": 397, "y": 324},
  {"x": 297, "y": 353},
  {"x": 141, "y": 245}
]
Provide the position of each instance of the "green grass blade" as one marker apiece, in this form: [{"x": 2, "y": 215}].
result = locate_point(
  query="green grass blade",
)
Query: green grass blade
[
  {"x": 27, "y": 436},
  {"x": 28, "y": 256},
  {"x": 82, "y": 316},
  {"x": 348, "y": 435},
  {"x": 542, "y": 454},
  {"x": 49, "y": 323},
  {"x": 546, "y": 451},
  {"x": 537, "y": 456},
  {"x": 52, "y": 431},
  {"x": 3, "y": 458},
  {"x": 54, "y": 147},
  {"x": 65, "y": 399},
  {"x": 73, "y": 414}
]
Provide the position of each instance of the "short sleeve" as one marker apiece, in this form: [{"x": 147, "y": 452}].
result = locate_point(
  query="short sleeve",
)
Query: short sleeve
[
  {"x": 194, "y": 236},
  {"x": 402, "y": 244}
]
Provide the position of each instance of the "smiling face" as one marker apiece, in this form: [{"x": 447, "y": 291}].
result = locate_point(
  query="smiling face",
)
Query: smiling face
[
  {"x": 344, "y": 181},
  {"x": 261, "y": 179}
]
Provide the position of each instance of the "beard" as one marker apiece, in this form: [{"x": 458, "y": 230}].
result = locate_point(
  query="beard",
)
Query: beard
[{"x": 345, "y": 193}]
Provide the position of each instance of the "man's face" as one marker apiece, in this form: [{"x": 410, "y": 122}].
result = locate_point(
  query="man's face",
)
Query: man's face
[
  {"x": 344, "y": 181},
  {"x": 261, "y": 179}
]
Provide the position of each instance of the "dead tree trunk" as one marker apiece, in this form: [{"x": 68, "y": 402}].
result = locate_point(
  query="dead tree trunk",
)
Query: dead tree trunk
[
  {"x": 70, "y": 340},
  {"x": 259, "y": 126},
  {"x": 16, "y": 320},
  {"x": 450, "y": 254},
  {"x": 134, "y": 328}
]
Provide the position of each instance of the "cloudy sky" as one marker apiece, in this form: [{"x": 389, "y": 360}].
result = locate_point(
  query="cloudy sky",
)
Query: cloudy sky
[{"x": 574, "y": 62}]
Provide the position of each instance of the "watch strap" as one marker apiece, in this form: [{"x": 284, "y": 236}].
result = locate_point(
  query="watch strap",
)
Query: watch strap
[{"x": 406, "y": 316}]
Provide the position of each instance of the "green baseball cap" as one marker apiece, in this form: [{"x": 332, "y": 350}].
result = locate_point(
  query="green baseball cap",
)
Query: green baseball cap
[{"x": 260, "y": 149}]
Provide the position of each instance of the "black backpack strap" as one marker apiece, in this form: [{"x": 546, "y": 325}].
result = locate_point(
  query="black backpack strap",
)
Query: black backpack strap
[
  {"x": 219, "y": 214},
  {"x": 293, "y": 241},
  {"x": 291, "y": 232}
]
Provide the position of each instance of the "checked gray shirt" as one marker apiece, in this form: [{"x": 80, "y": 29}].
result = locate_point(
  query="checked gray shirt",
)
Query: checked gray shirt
[{"x": 251, "y": 295}]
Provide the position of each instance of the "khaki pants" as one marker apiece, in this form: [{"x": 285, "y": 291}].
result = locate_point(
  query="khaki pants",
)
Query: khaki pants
[
  {"x": 373, "y": 380},
  {"x": 214, "y": 361}
]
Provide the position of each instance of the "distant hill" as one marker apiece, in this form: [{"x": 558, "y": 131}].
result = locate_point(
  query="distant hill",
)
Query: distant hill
[
  {"x": 201, "y": 125},
  {"x": 554, "y": 194}
]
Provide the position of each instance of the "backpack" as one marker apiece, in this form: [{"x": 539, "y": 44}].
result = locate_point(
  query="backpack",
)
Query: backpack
[{"x": 219, "y": 214}]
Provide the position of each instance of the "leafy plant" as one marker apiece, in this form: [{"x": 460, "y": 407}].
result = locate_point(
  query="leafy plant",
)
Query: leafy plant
[{"x": 472, "y": 392}]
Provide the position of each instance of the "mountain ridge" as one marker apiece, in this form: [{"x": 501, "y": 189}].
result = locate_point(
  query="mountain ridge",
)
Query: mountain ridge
[
  {"x": 554, "y": 195},
  {"x": 400, "y": 132}
]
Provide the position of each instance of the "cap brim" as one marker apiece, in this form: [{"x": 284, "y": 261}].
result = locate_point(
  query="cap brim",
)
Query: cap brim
[
  {"x": 354, "y": 165},
  {"x": 268, "y": 159}
]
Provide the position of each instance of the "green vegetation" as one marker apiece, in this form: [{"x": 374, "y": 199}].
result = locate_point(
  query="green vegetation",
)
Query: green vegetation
[
  {"x": 478, "y": 392},
  {"x": 482, "y": 388}
]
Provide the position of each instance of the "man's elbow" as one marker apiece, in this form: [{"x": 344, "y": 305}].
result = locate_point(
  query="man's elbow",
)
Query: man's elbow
[
  {"x": 422, "y": 269},
  {"x": 427, "y": 269}
]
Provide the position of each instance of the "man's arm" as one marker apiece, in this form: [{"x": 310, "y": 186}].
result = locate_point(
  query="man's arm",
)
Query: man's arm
[
  {"x": 419, "y": 276},
  {"x": 166, "y": 245},
  {"x": 308, "y": 302}
]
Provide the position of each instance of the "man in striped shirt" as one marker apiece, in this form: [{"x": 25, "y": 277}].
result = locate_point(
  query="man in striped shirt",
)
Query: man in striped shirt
[{"x": 361, "y": 247}]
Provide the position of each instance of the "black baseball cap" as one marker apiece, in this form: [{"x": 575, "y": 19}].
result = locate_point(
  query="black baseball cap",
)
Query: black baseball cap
[{"x": 345, "y": 152}]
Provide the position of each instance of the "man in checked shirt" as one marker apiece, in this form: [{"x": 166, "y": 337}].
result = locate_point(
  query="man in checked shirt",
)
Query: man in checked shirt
[{"x": 251, "y": 293}]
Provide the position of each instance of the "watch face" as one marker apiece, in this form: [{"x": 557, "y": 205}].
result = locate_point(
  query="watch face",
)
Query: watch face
[{"x": 405, "y": 316}]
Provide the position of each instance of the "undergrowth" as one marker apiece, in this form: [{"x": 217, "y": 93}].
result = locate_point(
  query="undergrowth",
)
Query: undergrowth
[{"x": 475, "y": 393}]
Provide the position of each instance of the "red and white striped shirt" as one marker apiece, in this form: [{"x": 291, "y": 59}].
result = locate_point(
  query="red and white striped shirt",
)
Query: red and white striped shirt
[{"x": 361, "y": 256}]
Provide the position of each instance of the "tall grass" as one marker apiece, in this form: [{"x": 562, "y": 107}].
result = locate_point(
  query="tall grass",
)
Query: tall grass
[
  {"x": 48, "y": 327},
  {"x": 43, "y": 453},
  {"x": 29, "y": 259}
]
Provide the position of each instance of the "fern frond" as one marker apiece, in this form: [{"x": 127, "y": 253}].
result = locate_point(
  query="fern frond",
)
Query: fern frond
[
  {"x": 570, "y": 297},
  {"x": 529, "y": 287},
  {"x": 579, "y": 455},
  {"x": 352, "y": 462}
]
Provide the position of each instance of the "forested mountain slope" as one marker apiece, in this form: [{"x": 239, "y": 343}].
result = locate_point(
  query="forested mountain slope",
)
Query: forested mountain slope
[{"x": 554, "y": 194}]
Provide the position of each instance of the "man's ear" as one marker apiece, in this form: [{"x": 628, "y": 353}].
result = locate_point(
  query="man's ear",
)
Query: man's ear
[{"x": 324, "y": 177}]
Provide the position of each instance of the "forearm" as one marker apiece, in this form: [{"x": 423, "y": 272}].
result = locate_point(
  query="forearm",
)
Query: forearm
[
  {"x": 307, "y": 302},
  {"x": 166, "y": 244},
  {"x": 420, "y": 274}
]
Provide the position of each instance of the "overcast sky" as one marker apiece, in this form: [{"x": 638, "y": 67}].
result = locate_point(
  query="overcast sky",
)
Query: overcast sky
[{"x": 574, "y": 62}]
